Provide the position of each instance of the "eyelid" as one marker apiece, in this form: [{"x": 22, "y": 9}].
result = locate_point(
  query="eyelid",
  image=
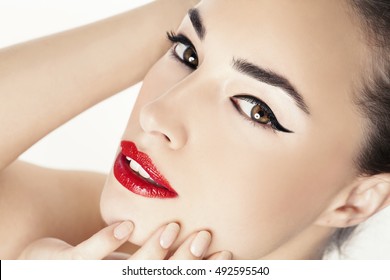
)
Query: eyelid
[
  {"x": 275, "y": 125},
  {"x": 181, "y": 39}
]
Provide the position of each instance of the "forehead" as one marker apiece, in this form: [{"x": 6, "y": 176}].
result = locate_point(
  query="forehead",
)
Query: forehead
[{"x": 315, "y": 44}]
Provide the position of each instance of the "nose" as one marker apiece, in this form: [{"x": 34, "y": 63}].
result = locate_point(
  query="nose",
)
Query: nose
[{"x": 163, "y": 120}]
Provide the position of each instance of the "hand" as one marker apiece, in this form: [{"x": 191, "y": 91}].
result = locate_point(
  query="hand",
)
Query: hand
[{"x": 104, "y": 243}]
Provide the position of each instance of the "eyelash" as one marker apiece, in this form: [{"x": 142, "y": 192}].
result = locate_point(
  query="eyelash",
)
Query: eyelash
[
  {"x": 273, "y": 122},
  {"x": 181, "y": 39}
]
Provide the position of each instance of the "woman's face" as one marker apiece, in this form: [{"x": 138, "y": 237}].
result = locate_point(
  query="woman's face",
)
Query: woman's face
[{"x": 250, "y": 118}]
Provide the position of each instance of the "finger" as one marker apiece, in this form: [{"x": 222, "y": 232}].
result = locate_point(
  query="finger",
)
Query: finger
[
  {"x": 45, "y": 249},
  {"x": 157, "y": 246},
  {"x": 102, "y": 243},
  {"x": 223, "y": 255},
  {"x": 117, "y": 256},
  {"x": 194, "y": 247}
]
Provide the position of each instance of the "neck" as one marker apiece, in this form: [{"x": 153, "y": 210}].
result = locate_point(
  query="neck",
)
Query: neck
[{"x": 310, "y": 244}]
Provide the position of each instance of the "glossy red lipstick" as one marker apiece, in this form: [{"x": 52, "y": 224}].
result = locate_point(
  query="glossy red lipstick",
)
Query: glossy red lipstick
[{"x": 145, "y": 180}]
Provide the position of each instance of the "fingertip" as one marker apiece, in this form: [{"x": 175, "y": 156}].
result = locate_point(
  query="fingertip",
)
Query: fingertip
[
  {"x": 169, "y": 235},
  {"x": 123, "y": 230},
  {"x": 200, "y": 243}
]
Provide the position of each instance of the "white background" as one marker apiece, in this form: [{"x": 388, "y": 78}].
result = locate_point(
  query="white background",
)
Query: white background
[
  {"x": 204, "y": 270},
  {"x": 89, "y": 141}
]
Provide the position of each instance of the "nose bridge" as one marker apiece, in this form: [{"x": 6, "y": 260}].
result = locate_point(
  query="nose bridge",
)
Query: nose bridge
[
  {"x": 187, "y": 90},
  {"x": 170, "y": 114}
]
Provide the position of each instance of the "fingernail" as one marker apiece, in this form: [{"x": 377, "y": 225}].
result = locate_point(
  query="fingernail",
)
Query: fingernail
[
  {"x": 123, "y": 230},
  {"x": 200, "y": 244},
  {"x": 168, "y": 236},
  {"x": 224, "y": 255}
]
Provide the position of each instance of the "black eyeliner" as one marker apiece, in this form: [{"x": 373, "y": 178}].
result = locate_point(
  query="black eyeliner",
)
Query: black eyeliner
[
  {"x": 274, "y": 122},
  {"x": 180, "y": 38}
]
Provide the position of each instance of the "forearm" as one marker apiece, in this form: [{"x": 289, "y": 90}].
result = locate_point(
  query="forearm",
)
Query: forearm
[{"x": 46, "y": 82}]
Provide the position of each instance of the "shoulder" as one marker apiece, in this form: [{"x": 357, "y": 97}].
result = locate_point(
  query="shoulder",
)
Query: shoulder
[{"x": 40, "y": 202}]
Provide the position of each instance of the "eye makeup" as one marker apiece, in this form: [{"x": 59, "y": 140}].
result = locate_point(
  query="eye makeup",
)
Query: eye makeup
[
  {"x": 251, "y": 108},
  {"x": 257, "y": 112},
  {"x": 183, "y": 50}
]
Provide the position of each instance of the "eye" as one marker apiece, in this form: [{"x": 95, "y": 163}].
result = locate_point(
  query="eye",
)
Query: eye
[
  {"x": 183, "y": 50},
  {"x": 257, "y": 111},
  {"x": 186, "y": 54}
]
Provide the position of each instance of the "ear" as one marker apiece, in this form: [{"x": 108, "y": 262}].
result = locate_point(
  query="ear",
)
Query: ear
[{"x": 357, "y": 202}]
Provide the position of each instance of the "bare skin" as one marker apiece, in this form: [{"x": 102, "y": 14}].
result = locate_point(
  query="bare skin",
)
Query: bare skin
[
  {"x": 315, "y": 161},
  {"x": 32, "y": 203},
  {"x": 45, "y": 202},
  {"x": 57, "y": 70}
]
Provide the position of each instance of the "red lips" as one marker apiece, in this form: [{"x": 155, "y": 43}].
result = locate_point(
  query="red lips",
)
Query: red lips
[{"x": 154, "y": 187}]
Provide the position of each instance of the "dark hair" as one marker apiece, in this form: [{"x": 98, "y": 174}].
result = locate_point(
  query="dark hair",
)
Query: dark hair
[{"x": 373, "y": 95}]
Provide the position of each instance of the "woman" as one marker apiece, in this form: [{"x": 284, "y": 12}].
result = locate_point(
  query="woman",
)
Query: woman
[{"x": 256, "y": 135}]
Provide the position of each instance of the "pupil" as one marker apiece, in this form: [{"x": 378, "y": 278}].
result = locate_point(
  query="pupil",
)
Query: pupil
[
  {"x": 260, "y": 115},
  {"x": 190, "y": 56}
]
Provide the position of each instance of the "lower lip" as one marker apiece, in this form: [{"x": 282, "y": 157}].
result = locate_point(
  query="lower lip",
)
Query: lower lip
[{"x": 134, "y": 183}]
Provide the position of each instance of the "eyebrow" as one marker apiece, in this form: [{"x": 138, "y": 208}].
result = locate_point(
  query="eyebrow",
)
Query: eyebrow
[
  {"x": 197, "y": 22},
  {"x": 271, "y": 78},
  {"x": 252, "y": 70}
]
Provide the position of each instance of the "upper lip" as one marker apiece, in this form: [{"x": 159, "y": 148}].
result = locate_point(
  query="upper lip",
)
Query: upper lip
[{"x": 129, "y": 149}]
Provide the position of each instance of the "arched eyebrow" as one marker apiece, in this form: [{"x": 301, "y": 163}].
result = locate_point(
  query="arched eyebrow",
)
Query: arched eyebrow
[
  {"x": 271, "y": 78},
  {"x": 252, "y": 70},
  {"x": 197, "y": 22}
]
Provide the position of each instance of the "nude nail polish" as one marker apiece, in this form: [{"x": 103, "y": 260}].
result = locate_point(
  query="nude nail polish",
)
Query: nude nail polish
[
  {"x": 200, "y": 244},
  {"x": 123, "y": 230},
  {"x": 169, "y": 235}
]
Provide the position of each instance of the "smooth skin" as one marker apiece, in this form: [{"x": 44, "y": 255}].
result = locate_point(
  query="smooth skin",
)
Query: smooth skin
[
  {"x": 38, "y": 202},
  {"x": 304, "y": 186},
  {"x": 104, "y": 244},
  {"x": 262, "y": 192}
]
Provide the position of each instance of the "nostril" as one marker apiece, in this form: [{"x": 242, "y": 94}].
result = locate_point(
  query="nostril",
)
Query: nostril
[{"x": 164, "y": 127}]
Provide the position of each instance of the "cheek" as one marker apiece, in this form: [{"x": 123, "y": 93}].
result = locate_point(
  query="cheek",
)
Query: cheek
[
  {"x": 250, "y": 215},
  {"x": 256, "y": 197}
]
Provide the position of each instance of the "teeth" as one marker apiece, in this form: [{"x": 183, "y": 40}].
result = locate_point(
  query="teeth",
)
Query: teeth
[
  {"x": 135, "y": 166},
  {"x": 143, "y": 173}
]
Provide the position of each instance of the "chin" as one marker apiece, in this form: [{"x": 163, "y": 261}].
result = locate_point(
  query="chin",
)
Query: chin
[
  {"x": 141, "y": 232},
  {"x": 112, "y": 211}
]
